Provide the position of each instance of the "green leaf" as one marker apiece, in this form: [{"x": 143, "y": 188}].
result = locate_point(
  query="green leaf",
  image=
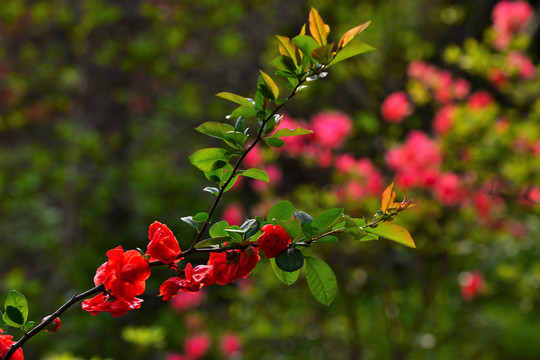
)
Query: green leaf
[
  {"x": 205, "y": 159},
  {"x": 200, "y": 217},
  {"x": 393, "y": 232},
  {"x": 18, "y": 301},
  {"x": 235, "y": 139},
  {"x": 321, "y": 54},
  {"x": 13, "y": 317},
  {"x": 240, "y": 100},
  {"x": 29, "y": 325},
  {"x": 287, "y": 49},
  {"x": 307, "y": 229},
  {"x": 306, "y": 44},
  {"x": 303, "y": 216},
  {"x": 282, "y": 210},
  {"x": 326, "y": 220},
  {"x": 291, "y": 227},
  {"x": 212, "y": 241},
  {"x": 212, "y": 190},
  {"x": 352, "y": 228},
  {"x": 328, "y": 239},
  {"x": 289, "y": 132},
  {"x": 321, "y": 280},
  {"x": 274, "y": 142},
  {"x": 244, "y": 111},
  {"x": 288, "y": 278},
  {"x": 236, "y": 233},
  {"x": 231, "y": 184},
  {"x": 271, "y": 85},
  {"x": 251, "y": 226},
  {"x": 290, "y": 260},
  {"x": 240, "y": 125},
  {"x": 218, "y": 229},
  {"x": 214, "y": 129},
  {"x": 355, "y": 47},
  {"x": 284, "y": 64},
  {"x": 256, "y": 174}
]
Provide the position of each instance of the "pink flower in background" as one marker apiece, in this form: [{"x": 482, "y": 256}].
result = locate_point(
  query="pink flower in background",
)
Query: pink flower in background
[
  {"x": 480, "y": 100},
  {"x": 197, "y": 345},
  {"x": 472, "y": 284},
  {"x": 522, "y": 64},
  {"x": 530, "y": 196},
  {"x": 274, "y": 173},
  {"x": 230, "y": 344},
  {"x": 176, "y": 356},
  {"x": 461, "y": 88},
  {"x": 294, "y": 144},
  {"x": 444, "y": 119},
  {"x": 331, "y": 129},
  {"x": 396, "y": 107},
  {"x": 363, "y": 177},
  {"x": 187, "y": 300},
  {"x": 497, "y": 77},
  {"x": 448, "y": 189},
  {"x": 233, "y": 214},
  {"x": 254, "y": 158},
  {"x": 344, "y": 163},
  {"x": 509, "y": 18}
]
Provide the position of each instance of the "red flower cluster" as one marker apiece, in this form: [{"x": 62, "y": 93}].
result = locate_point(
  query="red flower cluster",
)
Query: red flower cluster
[
  {"x": 396, "y": 107},
  {"x": 124, "y": 276},
  {"x": 273, "y": 240},
  {"x": 163, "y": 245},
  {"x": 5, "y": 343},
  {"x": 233, "y": 264},
  {"x": 192, "y": 280},
  {"x": 108, "y": 303},
  {"x": 509, "y": 18}
]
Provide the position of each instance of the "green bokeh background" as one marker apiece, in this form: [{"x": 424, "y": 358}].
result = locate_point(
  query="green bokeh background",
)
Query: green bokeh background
[{"x": 98, "y": 105}]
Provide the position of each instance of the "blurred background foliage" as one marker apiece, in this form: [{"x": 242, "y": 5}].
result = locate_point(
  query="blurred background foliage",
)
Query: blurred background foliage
[{"x": 98, "y": 102}]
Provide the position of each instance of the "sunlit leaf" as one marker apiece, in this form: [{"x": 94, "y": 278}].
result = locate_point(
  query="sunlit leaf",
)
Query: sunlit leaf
[
  {"x": 200, "y": 217},
  {"x": 317, "y": 28},
  {"x": 218, "y": 229},
  {"x": 214, "y": 129},
  {"x": 292, "y": 132},
  {"x": 326, "y": 220},
  {"x": 306, "y": 44},
  {"x": 244, "y": 111},
  {"x": 285, "y": 277},
  {"x": 321, "y": 54},
  {"x": 256, "y": 174},
  {"x": 282, "y": 210},
  {"x": 16, "y": 309},
  {"x": 321, "y": 280},
  {"x": 271, "y": 85},
  {"x": 351, "y": 34},
  {"x": 274, "y": 142},
  {"x": 287, "y": 48},
  {"x": 240, "y": 100},
  {"x": 388, "y": 197},
  {"x": 355, "y": 47},
  {"x": 393, "y": 232},
  {"x": 204, "y": 159}
]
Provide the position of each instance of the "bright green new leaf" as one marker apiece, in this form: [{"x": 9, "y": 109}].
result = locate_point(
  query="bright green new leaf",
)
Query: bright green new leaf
[
  {"x": 306, "y": 44},
  {"x": 392, "y": 232},
  {"x": 290, "y": 132},
  {"x": 355, "y": 47},
  {"x": 231, "y": 183},
  {"x": 240, "y": 100},
  {"x": 218, "y": 229},
  {"x": 16, "y": 309},
  {"x": 282, "y": 210},
  {"x": 326, "y": 220},
  {"x": 200, "y": 217},
  {"x": 271, "y": 85},
  {"x": 286, "y": 277},
  {"x": 274, "y": 142},
  {"x": 317, "y": 28},
  {"x": 321, "y": 280},
  {"x": 235, "y": 139},
  {"x": 205, "y": 159},
  {"x": 291, "y": 227},
  {"x": 29, "y": 325},
  {"x": 256, "y": 174},
  {"x": 214, "y": 129},
  {"x": 244, "y": 111},
  {"x": 290, "y": 260},
  {"x": 351, "y": 34}
]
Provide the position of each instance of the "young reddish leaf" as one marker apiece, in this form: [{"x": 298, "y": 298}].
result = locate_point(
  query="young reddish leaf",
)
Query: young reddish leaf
[
  {"x": 303, "y": 30},
  {"x": 322, "y": 53},
  {"x": 355, "y": 47},
  {"x": 388, "y": 197},
  {"x": 290, "y": 132},
  {"x": 321, "y": 280},
  {"x": 393, "y": 232},
  {"x": 287, "y": 48},
  {"x": 214, "y": 129},
  {"x": 351, "y": 34},
  {"x": 234, "y": 98},
  {"x": 270, "y": 84},
  {"x": 318, "y": 29}
]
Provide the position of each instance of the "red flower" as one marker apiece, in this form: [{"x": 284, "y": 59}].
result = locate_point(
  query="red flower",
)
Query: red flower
[
  {"x": 5, "y": 344},
  {"x": 472, "y": 283},
  {"x": 163, "y": 245},
  {"x": 197, "y": 345},
  {"x": 107, "y": 303},
  {"x": 125, "y": 273},
  {"x": 233, "y": 264},
  {"x": 273, "y": 240},
  {"x": 396, "y": 107},
  {"x": 54, "y": 326},
  {"x": 192, "y": 281}
]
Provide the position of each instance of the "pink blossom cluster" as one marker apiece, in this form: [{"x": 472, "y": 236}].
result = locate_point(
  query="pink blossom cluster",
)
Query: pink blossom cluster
[
  {"x": 255, "y": 159},
  {"x": 330, "y": 130},
  {"x": 396, "y": 107},
  {"x": 472, "y": 284},
  {"x": 517, "y": 64},
  {"x": 198, "y": 345},
  {"x": 510, "y": 18},
  {"x": 444, "y": 87},
  {"x": 362, "y": 178}
]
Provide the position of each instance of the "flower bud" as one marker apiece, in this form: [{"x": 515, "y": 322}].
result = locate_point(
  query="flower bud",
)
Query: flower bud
[{"x": 54, "y": 326}]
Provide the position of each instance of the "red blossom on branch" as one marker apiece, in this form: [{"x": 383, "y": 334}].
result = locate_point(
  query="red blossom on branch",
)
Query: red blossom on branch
[
  {"x": 107, "y": 303},
  {"x": 233, "y": 264},
  {"x": 192, "y": 280},
  {"x": 5, "y": 344},
  {"x": 273, "y": 240},
  {"x": 125, "y": 274},
  {"x": 163, "y": 245},
  {"x": 54, "y": 326}
]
